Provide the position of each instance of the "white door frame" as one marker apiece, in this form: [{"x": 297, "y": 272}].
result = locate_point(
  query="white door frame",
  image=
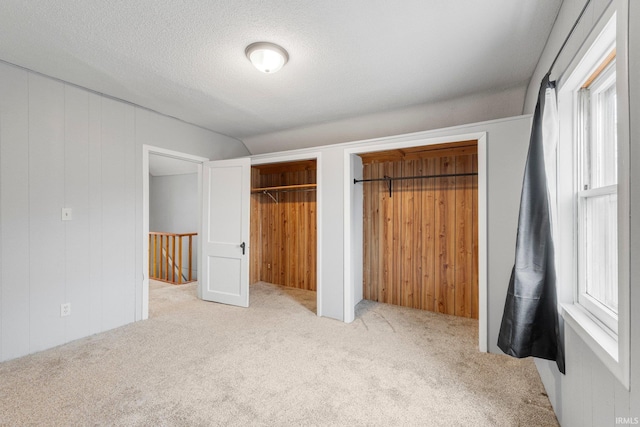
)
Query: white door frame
[
  {"x": 146, "y": 151},
  {"x": 318, "y": 158},
  {"x": 353, "y": 261}
]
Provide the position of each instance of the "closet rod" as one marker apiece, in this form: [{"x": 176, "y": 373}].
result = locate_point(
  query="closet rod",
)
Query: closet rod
[{"x": 389, "y": 179}]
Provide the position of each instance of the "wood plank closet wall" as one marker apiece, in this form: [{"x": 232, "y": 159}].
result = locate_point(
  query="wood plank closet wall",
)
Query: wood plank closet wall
[
  {"x": 421, "y": 244},
  {"x": 283, "y": 234}
]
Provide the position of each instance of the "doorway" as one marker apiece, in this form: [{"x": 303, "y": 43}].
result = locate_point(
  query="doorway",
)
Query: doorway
[
  {"x": 161, "y": 162},
  {"x": 354, "y": 213},
  {"x": 283, "y": 227},
  {"x": 420, "y": 233}
]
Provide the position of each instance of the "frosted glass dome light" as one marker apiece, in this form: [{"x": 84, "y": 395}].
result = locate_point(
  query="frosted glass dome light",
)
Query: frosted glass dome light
[{"x": 267, "y": 57}]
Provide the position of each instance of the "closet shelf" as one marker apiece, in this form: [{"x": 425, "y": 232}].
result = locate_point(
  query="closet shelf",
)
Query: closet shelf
[{"x": 285, "y": 188}]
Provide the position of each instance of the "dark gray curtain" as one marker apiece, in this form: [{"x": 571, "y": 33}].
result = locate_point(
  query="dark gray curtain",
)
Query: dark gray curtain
[{"x": 530, "y": 323}]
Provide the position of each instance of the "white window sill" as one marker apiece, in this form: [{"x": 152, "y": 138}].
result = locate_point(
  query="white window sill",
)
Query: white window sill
[
  {"x": 590, "y": 331},
  {"x": 595, "y": 336}
]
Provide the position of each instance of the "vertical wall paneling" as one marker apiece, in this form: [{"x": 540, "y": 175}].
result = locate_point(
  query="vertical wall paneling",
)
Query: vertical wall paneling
[
  {"x": 118, "y": 214},
  {"x": 633, "y": 397},
  {"x": 396, "y": 221},
  {"x": 621, "y": 401},
  {"x": 386, "y": 293},
  {"x": 573, "y": 409},
  {"x": 1, "y": 213},
  {"x": 440, "y": 266},
  {"x": 138, "y": 271},
  {"x": 428, "y": 227},
  {"x": 474, "y": 259},
  {"x": 291, "y": 239},
  {"x": 113, "y": 215},
  {"x": 416, "y": 233},
  {"x": 14, "y": 213},
  {"x": 255, "y": 248},
  {"x": 77, "y": 257},
  {"x": 368, "y": 292},
  {"x": 408, "y": 246},
  {"x": 602, "y": 394},
  {"x": 46, "y": 198},
  {"x": 63, "y": 146},
  {"x": 284, "y": 230},
  {"x": 421, "y": 245},
  {"x": 132, "y": 245},
  {"x": 2, "y": 90},
  {"x": 95, "y": 213},
  {"x": 464, "y": 237},
  {"x": 585, "y": 383},
  {"x": 445, "y": 237}
]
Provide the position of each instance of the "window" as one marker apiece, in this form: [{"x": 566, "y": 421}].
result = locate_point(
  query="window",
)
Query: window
[
  {"x": 593, "y": 191},
  {"x": 596, "y": 156}
]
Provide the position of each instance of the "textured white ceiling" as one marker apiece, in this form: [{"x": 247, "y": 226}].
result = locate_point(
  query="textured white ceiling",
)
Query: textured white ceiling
[{"x": 347, "y": 58}]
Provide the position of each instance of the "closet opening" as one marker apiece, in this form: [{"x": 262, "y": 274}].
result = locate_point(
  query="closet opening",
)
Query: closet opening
[
  {"x": 420, "y": 227},
  {"x": 283, "y": 231}
]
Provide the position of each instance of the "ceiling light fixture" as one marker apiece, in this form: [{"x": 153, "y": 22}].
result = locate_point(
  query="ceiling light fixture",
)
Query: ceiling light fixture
[{"x": 267, "y": 57}]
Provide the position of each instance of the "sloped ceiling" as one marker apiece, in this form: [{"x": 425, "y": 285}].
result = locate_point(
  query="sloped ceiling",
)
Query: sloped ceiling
[{"x": 347, "y": 58}]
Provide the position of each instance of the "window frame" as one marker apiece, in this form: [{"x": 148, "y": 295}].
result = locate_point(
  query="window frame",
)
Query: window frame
[
  {"x": 612, "y": 349},
  {"x": 598, "y": 82}
]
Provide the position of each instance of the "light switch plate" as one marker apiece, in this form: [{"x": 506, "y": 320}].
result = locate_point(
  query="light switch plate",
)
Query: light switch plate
[{"x": 67, "y": 214}]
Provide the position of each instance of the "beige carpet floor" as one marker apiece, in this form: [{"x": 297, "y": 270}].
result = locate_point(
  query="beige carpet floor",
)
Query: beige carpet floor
[{"x": 275, "y": 363}]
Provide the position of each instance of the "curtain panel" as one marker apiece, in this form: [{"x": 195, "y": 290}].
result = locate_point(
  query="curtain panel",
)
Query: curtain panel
[{"x": 530, "y": 323}]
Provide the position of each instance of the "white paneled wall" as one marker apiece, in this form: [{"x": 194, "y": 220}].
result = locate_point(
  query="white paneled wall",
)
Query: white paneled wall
[
  {"x": 14, "y": 213},
  {"x": 77, "y": 189},
  {"x": 46, "y": 198},
  {"x": 65, "y": 147},
  {"x": 118, "y": 213},
  {"x": 94, "y": 213},
  {"x": 634, "y": 255}
]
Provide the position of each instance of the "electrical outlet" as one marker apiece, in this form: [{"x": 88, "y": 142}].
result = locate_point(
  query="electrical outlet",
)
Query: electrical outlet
[
  {"x": 268, "y": 265},
  {"x": 65, "y": 309}
]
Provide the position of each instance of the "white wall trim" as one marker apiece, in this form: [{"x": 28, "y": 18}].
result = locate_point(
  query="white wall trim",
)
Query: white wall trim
[
  {"x": 290, "y": 157},
  {"x": 483, "y": 245},
  {"x": 146, "y": 151},
  {"x": 404, "y": 142}
]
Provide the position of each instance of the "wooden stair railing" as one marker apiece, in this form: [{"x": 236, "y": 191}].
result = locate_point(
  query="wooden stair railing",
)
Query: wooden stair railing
[{"x": 163, "y": 265}]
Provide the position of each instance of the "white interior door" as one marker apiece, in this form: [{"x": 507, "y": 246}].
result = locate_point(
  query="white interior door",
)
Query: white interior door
[{"x": 225, "y": 231}]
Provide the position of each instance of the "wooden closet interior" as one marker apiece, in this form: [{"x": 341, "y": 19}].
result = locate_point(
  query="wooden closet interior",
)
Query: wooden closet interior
[
  {"x": 283, "y": 224},
  {"x": 420, "y": 234}
]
